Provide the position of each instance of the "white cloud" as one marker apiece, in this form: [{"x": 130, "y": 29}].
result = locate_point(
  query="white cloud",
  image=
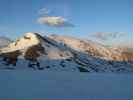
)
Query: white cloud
[
  {"x": 107, "y": 35},
  {"x": 55, "y": 21}
]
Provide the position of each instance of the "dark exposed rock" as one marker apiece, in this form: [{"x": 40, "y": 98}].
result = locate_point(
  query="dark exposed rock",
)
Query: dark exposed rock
[
  {"x": 11, "y": 58},
  {"x": 34, "y": 52},
  {"x": 81, "y": 69}
]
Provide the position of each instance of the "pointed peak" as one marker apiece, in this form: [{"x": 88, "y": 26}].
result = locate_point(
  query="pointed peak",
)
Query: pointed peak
[
  {"x": 30, "y": 34},
  {"x": 28, "y": 40}
]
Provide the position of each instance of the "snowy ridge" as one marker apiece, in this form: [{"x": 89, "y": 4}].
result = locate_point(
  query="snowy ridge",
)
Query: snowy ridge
[
  {"x": 28, "y": 40},
  {"x": 93, "y": 48}
]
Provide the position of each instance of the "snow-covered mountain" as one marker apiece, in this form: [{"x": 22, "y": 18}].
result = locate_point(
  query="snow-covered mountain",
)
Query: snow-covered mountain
[
  {"x": 4, "y": 41},
  {"x": 64, "y": 53},
  {"x": 96, "y": 49}
]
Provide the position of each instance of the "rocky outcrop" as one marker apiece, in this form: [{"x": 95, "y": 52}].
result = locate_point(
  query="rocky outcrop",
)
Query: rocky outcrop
[
  {"x": 11, "y": 57},
  {"x": 33, "y": 52}
]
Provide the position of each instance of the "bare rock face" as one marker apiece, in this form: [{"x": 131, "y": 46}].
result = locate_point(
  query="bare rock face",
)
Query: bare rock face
[
  {"x": 11, "y": 57},
  {"x": 34, "y": 52}
]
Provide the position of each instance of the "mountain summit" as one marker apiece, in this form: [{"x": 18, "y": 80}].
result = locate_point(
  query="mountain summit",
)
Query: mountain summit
[{"x": 64, "y": 53}]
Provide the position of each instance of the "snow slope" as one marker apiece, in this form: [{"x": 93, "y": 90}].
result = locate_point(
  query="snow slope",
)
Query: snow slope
[{"x": 49, "y": 85}]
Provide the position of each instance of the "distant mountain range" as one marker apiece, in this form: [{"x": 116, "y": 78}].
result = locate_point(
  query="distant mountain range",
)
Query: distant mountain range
[
  {"x": 4, "y": 41},
  {"x": 55, "y": 52}
]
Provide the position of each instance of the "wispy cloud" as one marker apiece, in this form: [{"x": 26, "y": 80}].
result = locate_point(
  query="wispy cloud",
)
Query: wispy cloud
[
  {"x": 55, "y": 21},
  {"x": 107, "y": 35},
  {"x": 44, "y": 12}
]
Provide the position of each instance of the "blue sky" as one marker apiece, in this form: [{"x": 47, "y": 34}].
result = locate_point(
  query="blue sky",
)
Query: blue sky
[{"x": 87, "y": 16}]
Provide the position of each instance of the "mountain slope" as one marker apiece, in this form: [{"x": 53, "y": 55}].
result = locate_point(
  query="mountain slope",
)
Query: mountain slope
[
  {"x": 95, "y": 49},
  {"x": 62, "y": 53}
]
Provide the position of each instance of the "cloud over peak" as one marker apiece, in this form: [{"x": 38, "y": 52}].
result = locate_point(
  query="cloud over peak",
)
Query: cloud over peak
[{"x": 55, "y": 21}]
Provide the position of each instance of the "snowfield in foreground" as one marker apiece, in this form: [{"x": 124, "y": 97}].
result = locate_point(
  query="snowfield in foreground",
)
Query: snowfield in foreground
[{"x": 51, "y": 85}]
